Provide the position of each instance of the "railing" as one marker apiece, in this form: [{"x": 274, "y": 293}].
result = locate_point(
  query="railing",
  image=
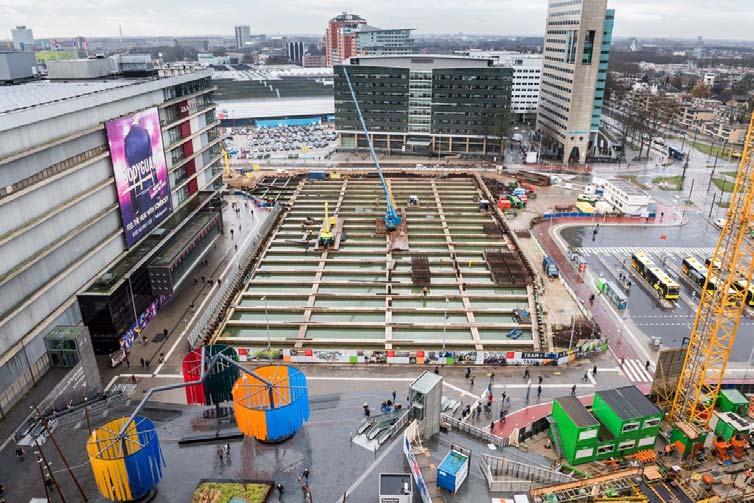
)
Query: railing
[
  {"x": 474, "y": 431},
  {"x": 525, "y": 475},
  {"x": 398, "y": 426},
  {"x": 229, "y": 286}
]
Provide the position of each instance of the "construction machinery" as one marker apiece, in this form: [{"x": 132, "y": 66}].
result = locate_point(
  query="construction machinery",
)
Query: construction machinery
[
  {"x": 326, "y": 237},
  {"x": 392, "y": 218},
  {"x": 720, "y": 310}
]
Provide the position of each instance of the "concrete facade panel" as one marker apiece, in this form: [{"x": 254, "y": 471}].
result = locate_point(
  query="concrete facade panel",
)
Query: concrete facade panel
[
  {"x": 19, "y": 212},
  {"x": 30, "y": 165},
  {"x": 12, "y": 328},
  {"x": 41, "y": 272}
]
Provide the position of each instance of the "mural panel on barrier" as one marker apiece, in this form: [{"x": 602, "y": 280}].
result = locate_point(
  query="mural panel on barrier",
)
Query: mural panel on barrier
[{"x": 141, "y": 173}]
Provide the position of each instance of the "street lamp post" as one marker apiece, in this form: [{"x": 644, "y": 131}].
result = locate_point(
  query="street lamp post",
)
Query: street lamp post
[
  {"x": 267, "y": 323},
  {"x": 444, "y": 323}
]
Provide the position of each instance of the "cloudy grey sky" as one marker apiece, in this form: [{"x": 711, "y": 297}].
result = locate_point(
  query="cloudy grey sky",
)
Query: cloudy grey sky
[{"x": 656, "y": 18}]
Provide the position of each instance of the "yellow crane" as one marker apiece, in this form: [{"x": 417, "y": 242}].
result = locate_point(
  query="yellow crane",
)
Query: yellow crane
[{"x": 720, "y": 311}]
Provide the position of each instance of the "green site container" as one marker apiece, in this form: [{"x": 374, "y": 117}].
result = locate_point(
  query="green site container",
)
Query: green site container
[
  {"x": 688, "y": 437},
  {"x": 725, "y": 430},
  {"x": 732, "y": 400},
  {"x": 577, "y": 428},
  {"x": 630, "y": 417}
]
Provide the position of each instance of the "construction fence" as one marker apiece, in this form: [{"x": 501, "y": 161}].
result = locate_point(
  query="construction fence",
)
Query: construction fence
[{"x": 505, "y": 475}]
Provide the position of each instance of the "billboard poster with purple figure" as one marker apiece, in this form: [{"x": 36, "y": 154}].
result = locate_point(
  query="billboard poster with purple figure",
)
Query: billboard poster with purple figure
[{"x": 141, "y": 173}]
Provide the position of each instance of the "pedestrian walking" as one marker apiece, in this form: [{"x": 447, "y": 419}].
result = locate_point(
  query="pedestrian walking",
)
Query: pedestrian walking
[
  {"x": 366, "y": 409},
  {"x": 142, "y": 362},
  {"x": 539, "y": 391},
  {"x": 306, "y": 475},
  {"x": 128, "y": 364},
  {"x": 146, "y": 363},
  {"x": 573, "y": 390},
  {"x": 162, "y": 358},
  {"x": 395, "y": 395},
  {"x": 204, "y": 279},
  {"x": 473, "y": 378},
  {"x": 526, "y": 373},
  {"x": 492, "y": 378},
  {"x": 144, "y": 339},
  {"x": 591, "y": 300},
  {"x": 492, "y": 427},
  {"x": 20, "y": 454},
  {"x": 585, "y": 377},
  {"x": 646, "y": 367},
  {"x": 594, "y": 371},
  {"x": 281, "y": 491},
  {"x": 540, "y": 379},
  {"x": 220, "y": 453},
  {"x": 437, "y": 370},
  {"x": 479, "y": 409},
  {"x": 133, "y": 379},
  {"x": 507, "y": 403},
  {"x": 503, "y": 396},
  {"x": 468, "y": 372},
  {"x": 227, "y": 451}
]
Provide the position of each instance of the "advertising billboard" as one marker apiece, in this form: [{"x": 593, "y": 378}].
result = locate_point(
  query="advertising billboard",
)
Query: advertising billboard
[{"x": 141, "y": 173}]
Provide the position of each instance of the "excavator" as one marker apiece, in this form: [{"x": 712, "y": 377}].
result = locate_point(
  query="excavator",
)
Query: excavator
[{"x": 392, "y": 218}]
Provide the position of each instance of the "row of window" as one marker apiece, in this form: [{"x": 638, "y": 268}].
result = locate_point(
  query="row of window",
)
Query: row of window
[
  {"x": 565, "y": 3},
  {"x": 194, "y": 86}
]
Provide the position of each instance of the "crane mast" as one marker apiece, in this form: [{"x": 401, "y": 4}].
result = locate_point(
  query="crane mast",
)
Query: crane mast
[
  {"x": 392, "y": 218},
  {"x": 720, "y": 311}
]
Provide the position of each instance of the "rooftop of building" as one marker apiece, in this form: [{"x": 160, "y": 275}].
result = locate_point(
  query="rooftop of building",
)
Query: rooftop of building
[
  {"x": 627, "y": 187},
  {"x": 422, "y": 61},
  {"x": 629, "y": 403},
  {"x": 42, "y": 92},
  {"x": 577, "y": 411},
  {"x": 367, "y": 28}
]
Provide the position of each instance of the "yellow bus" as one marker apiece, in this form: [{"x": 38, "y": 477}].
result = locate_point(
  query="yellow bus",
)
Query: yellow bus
[
  {"x": 693, "y": 269},
  {"x": 659, "y": 280},
  {"x": 741, "y": 285}
]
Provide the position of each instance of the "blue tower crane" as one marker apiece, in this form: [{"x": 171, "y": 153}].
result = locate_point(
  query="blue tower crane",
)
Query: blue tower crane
[{"x": 392, "y": 218}]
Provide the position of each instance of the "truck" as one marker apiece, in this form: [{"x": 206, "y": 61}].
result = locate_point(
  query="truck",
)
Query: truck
[{"x": 549, "y": 267}]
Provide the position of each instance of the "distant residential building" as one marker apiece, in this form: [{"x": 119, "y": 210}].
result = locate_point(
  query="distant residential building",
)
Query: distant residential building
[
  {"x": 296, "y": 52},
  {"x": 243, "y": 35},
  {"x": 278, "y": 43},
  {"x": 709, "y": 80},
  {"x": 730, "y": 134},
  {"x": 372, "y": 41},
  {"x": 527, "y": 77},
  {"x": 23, "y": 38},
  {"x": 576, "y": 53},
  {"x": 691, "y": 116},
  {"x": 340, "y": 37},
  {"x": 314, "y": 61},
  {"x": 424, "y": 104},
  {"x": 198, "y": 43}
]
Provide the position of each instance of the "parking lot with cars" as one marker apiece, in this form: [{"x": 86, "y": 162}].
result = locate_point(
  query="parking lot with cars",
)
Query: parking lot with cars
[{"x": 312, "y": 141}]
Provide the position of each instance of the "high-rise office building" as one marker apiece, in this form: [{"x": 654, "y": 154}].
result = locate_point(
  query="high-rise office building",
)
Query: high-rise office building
[
  {"x": 424, "y": 104},
  {"x": 99, "y": 179},
  {"x": 296, "y": 52},
  {"x": 527, "y": 76},
  {"x": 340, "y": 37},
  {"x": 243, "y": 35},
  {"x": 23, "y": 38},
  {"x": 576, "y": 52},
  {"x": 372, "y": 41}
]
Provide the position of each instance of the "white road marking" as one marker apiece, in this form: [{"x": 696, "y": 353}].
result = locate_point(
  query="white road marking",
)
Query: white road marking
[
  {"x": 461, "y": 391},
  {"x": 374, "y": 465}
]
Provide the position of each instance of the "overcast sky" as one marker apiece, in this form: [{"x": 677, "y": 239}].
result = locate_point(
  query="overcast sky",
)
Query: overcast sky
[{"x": 727, "y": 19}]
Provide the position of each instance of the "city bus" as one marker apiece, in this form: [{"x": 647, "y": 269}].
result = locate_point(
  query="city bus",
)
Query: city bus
[
  {"x": 741, "y": 285},
  {"x": 696, "y": 273},
  {"x": 657, "y": 278},
  {"x": 708, "y": 264}
]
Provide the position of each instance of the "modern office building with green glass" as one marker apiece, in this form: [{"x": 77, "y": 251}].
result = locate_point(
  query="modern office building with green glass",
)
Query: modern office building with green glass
[{"x": 423, "y": 104}]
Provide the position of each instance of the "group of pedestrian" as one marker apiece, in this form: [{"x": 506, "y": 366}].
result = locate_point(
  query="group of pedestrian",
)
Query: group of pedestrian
[{"x": 144, "y": 363}]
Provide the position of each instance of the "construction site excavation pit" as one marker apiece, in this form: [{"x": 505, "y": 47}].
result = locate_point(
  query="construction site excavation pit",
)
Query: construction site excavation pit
[{"x": 457, "y": 282}]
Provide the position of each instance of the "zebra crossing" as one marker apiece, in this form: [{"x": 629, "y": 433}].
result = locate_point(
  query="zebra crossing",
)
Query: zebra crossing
[
  {"x": 662, "y": 250},
  {"x": 635, "y": 371}
]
